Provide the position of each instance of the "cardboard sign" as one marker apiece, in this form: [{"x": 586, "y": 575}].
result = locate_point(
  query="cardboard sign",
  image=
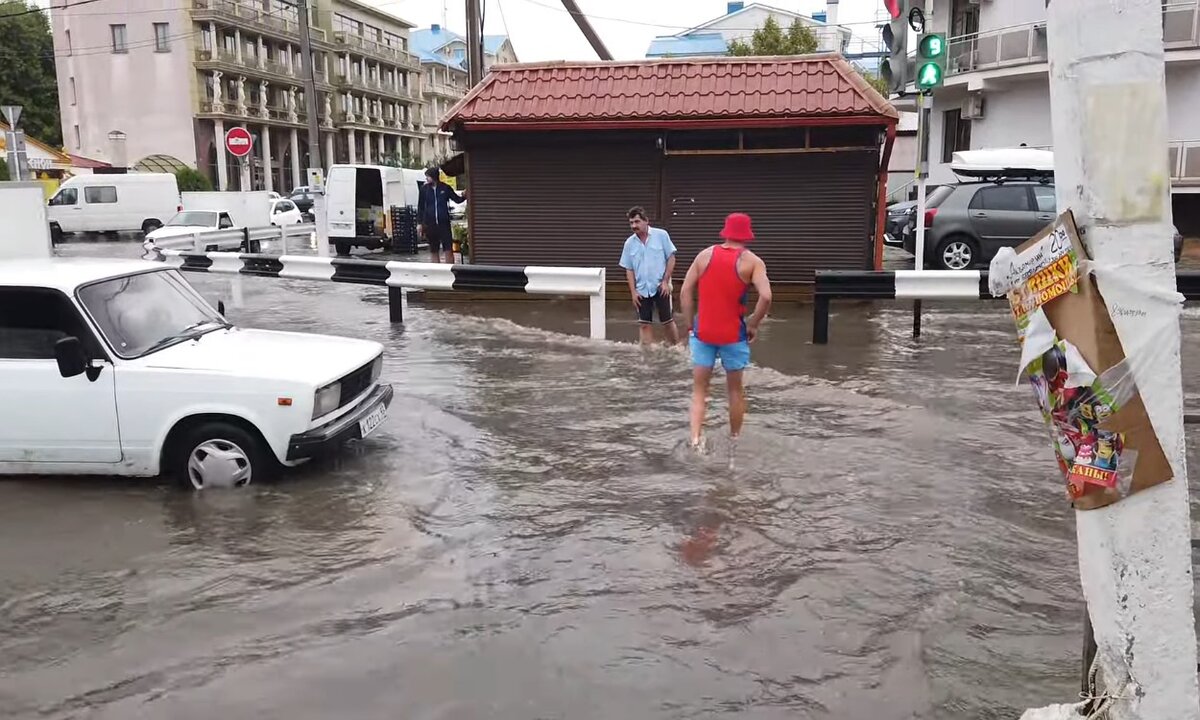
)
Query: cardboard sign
[{"x": 1073, "y": 358}]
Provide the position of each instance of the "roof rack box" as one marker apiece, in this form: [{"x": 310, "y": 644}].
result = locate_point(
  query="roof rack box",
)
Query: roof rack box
[
  {"x": 26, "y": 231},
  {"x": 1010, "y": 163}
]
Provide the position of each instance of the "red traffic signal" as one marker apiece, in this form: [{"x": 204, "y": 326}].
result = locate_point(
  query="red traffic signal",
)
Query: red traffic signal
[{"x": 893, "y": 8}]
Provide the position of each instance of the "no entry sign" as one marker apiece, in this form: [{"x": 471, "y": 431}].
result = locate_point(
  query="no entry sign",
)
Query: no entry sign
[{"x": 238, "y": 141}]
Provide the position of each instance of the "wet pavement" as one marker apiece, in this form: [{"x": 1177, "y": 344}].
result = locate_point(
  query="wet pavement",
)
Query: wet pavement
[{"x": 526, "y": 536}]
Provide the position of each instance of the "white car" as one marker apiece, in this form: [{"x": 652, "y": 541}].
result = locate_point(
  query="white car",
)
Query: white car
[
  {"x": 178, "y": 231},
  {"x": 119, "y": 367},
  {"x": 285, "y": 212}
]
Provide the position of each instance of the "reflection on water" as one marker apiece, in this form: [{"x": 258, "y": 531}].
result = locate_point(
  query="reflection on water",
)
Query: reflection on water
[{"x": 528, "y": 537}]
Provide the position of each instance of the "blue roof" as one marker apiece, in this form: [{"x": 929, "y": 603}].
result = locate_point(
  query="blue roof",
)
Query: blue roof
[
  {"x": 492, "y": 43},
  {"x": 689, "y": 46},
  {"x": 432, "y": 39}
]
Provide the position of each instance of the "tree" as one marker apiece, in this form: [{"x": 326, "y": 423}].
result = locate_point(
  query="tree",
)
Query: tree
[
  {"x": 192, "y": 180},
  {"x": 875, "y": 81},
  {"x": 771, "y": 40},
  {"x": 27, "y": 72}
]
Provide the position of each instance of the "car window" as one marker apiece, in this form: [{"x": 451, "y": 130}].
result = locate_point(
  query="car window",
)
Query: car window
[
  {"x": 100, "y": 194},
  {"x": 284, "y": 206},
  {"x": 225, "y": 222},
  {"x": 1044, "y": 196},
  {"x": 193, "y": 218},
  {"x": 32, "y": 320},
  {"x": 1013, "y": 198},
  {"x": 66, "y": 196},
  {"x": 939, "y": 195},
  {"x": 137, "y": 313}
]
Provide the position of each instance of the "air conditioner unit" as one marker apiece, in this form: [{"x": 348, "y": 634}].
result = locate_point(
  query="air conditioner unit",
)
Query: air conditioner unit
[{"x": 972, "y": 107}]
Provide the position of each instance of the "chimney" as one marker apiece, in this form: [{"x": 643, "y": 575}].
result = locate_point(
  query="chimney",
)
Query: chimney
[
  {"x": 733, "y": 7},
  {"x": 831, "y": 12}
]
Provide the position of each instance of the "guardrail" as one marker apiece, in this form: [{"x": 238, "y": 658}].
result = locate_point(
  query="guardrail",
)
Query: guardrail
[
  {"x": 247, "y": 239},
  {"x": 922, "y": 285},
  {"x": 399, "y": 276}
]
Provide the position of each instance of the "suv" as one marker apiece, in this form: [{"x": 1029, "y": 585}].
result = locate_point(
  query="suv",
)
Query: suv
[{"x": 966, "y": 224}]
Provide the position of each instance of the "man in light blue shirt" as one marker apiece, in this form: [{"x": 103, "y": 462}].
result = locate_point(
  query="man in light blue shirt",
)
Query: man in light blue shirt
[{"x": 649, "y": 260}]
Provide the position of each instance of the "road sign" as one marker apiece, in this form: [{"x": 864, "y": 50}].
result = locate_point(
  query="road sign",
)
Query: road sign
[
  {"x": 238, "y": 141},
  {"x": 12, "y": 113}
]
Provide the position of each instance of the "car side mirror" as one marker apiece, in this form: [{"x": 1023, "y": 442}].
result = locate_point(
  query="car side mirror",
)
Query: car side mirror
[{"x": 68, "y": 352}]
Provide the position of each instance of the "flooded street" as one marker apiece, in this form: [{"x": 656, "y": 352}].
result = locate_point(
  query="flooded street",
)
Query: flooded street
[{"x": 526, "y": 536}]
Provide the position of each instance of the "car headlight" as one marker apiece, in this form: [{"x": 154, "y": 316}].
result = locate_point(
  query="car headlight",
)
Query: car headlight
[
  {"x": 327, "y": 400},
  {"x": 376, "y": 369}
]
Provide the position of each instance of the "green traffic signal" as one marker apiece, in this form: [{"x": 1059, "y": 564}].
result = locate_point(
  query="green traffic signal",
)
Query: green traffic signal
[
  {"x": 929, "y": 76},
  {"x": 933, "y": 46}
]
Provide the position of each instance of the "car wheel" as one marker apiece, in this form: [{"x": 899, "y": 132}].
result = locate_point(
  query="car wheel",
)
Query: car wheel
[
  {"x": 343, "y": 249},
  {"x": 150, "y": 226},
  {"x": 956, "y": 252},
  {"x": 220, "y": 455},
  {"x": 56, "y": 234}
]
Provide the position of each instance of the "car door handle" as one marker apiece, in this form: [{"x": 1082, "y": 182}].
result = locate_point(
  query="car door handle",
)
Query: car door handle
[
  {"x": 1047, "y": 218},
  {"x": 979, "y": 214}
]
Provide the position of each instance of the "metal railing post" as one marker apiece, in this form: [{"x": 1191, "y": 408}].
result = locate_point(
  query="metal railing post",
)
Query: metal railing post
[{"x": 820, "y": 320}]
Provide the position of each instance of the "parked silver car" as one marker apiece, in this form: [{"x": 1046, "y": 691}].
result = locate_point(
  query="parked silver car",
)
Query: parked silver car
[{"x": 966, "y": 224}]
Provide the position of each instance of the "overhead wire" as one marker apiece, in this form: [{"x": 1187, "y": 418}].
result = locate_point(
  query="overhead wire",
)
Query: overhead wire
[{"x": 32, "y": 10}]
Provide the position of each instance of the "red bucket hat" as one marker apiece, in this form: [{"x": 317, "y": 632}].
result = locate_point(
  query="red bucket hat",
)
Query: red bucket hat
[{"x": 737, "y": 228}]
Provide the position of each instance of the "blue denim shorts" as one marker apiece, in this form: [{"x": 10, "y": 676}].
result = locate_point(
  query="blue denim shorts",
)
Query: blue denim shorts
[{"x": 734, "y": 356}]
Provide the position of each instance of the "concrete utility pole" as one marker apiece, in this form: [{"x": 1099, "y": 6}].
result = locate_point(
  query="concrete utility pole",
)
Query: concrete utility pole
[
  {"x": 1109, "y": 111},
  {"x": 314, "y": 130},
  {"x": 586, "y": 28},
  {"x": 474, "y": 43}
]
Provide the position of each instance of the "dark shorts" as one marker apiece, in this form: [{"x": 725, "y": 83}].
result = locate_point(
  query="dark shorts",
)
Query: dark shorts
[
  {"x": 661, "y": 302},
  {"x": 439, "y": 237}
]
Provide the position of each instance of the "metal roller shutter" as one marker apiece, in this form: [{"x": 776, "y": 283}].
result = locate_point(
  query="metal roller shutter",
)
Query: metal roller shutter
[
  {"x": 560, "y": 203},
  {"x": 811, "y": 211}
]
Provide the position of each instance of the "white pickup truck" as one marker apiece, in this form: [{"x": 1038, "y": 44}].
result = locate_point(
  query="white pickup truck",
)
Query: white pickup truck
[{"x": 119, "y": 367}]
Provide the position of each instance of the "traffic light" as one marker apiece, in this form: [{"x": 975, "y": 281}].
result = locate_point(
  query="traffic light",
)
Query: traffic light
[
  {"x": 931, "y": 61},
  {"x": 894, "y": 68}
]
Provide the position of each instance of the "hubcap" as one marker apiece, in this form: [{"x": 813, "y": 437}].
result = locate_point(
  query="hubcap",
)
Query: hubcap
[
  {"x": 957, "y": 255},
  {"x": 218, "y": 463}
]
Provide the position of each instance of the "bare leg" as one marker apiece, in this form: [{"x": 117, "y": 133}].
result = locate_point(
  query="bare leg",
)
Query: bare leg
[
  {"x": 672, "y": 332},
  {"x": 646, "y": 333},
  {"x": 435, "y": 252},
  {"x": 700, "y": 378},
  {"x": 449, "y": 258},
  {"x": 737, "y": 402}
]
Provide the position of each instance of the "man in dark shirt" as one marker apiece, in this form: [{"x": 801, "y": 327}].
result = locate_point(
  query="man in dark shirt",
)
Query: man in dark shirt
[{"x": 433, "y": 216}]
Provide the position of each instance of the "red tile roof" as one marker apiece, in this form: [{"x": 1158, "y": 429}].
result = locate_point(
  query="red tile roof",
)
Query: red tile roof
[
  {"x": 82, "y": 162},
  {"x": 655, "y": 93}
]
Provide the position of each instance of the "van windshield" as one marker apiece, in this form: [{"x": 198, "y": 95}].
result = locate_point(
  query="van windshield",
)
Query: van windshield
[
  {"x": 139, "y": 314},
  {"x": 194, "y": 218}
]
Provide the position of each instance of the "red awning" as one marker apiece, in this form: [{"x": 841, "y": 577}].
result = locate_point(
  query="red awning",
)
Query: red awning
[{"x": 761, "y": 91}]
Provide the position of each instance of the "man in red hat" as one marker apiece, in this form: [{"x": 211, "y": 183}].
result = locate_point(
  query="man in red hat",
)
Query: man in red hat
[{"x": 721, "y": 275}]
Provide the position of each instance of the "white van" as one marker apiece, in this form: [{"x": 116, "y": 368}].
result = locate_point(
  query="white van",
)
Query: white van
[
  {"x": 358, "y": 201},
  {"x": 113, "y": 203}
]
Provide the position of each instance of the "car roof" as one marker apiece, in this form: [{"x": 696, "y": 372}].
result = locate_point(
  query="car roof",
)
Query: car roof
[{"x": 67, "y": 274}]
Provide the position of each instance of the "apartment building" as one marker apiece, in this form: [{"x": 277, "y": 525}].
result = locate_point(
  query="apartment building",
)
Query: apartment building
[
  {"x": 739, "y": 23},
  {"x": 443, "y": 56},
  {"x": 138, "y": 79},
  {"x": 997, "y": 89}
]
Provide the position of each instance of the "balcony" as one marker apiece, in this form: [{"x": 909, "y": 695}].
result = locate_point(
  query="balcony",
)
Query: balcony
[
  {"x": 1026, "y": 44},
  {"x": 247, "y": 15},
  {"x": 1184, "y": 159},
  {"x": 275, "y": 72},
  {"x": 445, "y": 90},
  {"x": 373, "y": 86},
  {"x": 393, "y": 55}
]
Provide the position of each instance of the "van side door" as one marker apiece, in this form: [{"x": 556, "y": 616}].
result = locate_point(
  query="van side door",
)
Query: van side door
[
  {"x": 101, "y": 208},
  {"x": 48, "y": 418},
  {"x": 339, "y": 202}
]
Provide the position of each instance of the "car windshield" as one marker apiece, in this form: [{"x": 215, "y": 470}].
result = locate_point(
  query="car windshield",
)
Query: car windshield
[
  {"x": 141, "y": 313},
  {"x": 194, "y": 218}
]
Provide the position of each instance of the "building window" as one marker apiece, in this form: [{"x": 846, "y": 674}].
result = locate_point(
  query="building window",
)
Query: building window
[
  {"x": 118, "y": 38},
  {"x": 78, "y": 142},
  {"x": 956, "y": 134},
  {"x": 162, "y": 37},
  {"x": 68, "y": 42},
  {"x": 74, "y": 96}
]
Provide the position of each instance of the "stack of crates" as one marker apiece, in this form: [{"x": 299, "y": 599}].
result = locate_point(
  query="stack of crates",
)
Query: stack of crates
[{"x": 404, "y": 230}]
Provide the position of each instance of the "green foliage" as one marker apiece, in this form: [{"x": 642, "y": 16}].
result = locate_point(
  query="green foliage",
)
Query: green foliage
[
  {"x": 27, "y": 73},
  {"x": 402, "y": 161},
  {"x": 462, "y": 236},
  {"x": 3, "y": 169},
  {"x": 192, "y": 180},
  {"x": 770, "y": 39},
  {"x": 874, "y": 80}
]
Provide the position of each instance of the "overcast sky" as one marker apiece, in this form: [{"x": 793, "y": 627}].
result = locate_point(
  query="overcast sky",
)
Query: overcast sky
[{"x": 543, "y": 30}]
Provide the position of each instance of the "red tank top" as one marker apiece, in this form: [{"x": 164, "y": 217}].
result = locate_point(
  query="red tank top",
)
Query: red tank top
[{"x": 721, "y": 315}]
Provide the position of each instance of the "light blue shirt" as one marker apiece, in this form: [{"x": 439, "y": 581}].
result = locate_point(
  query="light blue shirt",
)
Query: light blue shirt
[{"x": 648, "y": 260}]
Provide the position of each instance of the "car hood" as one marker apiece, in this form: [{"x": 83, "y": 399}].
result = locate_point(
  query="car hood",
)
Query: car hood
[
  {"x": 901, "y": 207},
  {"x": 177, "y": 230},
  {"x": 298, "y": 357}
]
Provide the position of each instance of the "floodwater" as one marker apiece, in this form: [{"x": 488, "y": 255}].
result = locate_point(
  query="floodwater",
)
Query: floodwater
[{"x": 526, "y": 537}]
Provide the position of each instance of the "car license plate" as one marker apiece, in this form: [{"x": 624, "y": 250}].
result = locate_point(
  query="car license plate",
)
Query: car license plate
[{"x": 368, "y": 424}]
